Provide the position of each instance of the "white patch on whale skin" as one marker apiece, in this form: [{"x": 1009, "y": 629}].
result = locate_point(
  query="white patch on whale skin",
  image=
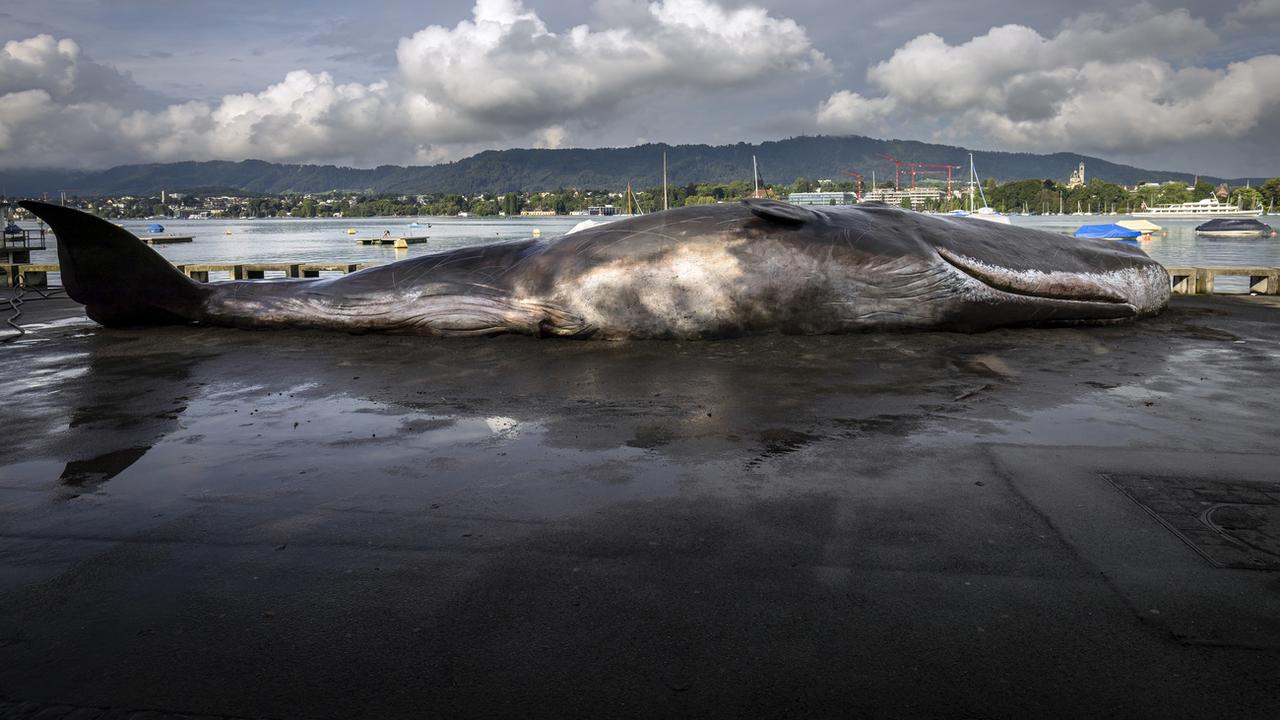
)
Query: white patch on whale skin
[
  {"x": 690, "y": 291},
  {"x": 729, "y": 286}
]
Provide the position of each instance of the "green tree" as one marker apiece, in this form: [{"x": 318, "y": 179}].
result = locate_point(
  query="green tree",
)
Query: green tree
[
  {"x": 802, "y": 185},
  {"x": 1247, "y": 198},
  {"x": 1172, "y": 193},
  {"x": 1270, "y": 191}
]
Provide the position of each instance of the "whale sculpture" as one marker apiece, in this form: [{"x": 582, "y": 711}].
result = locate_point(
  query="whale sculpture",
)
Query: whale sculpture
[{"x": 729, "y": 269}]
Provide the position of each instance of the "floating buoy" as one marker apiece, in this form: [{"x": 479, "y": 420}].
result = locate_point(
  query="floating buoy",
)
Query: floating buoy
[
  {"x": 537, "y": 232},
  {"x": 402, "y": 244},
  {"x": 351, "y": 231}
]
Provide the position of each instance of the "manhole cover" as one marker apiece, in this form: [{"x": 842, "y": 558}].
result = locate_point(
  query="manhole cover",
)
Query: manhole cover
[{"x": 1232, "y": 524}]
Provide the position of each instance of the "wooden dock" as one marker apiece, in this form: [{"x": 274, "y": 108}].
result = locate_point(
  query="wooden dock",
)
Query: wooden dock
[
  {"x": 396, "y": 241},
  {"x": 166, "y": 239}
]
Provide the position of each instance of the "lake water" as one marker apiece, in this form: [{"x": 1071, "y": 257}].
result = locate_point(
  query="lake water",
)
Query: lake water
[{"x": 326, "y": 240}]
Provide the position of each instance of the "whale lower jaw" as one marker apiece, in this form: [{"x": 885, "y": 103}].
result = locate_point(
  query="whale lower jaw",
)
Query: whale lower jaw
[{"x": 1114, "y": 295}]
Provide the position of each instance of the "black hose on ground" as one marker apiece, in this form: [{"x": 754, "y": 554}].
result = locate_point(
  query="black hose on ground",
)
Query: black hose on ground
[{"x": 14, "y": 304}]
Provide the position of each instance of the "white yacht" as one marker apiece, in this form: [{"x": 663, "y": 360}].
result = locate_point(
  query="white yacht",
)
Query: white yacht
[{"x": 1207, "y": 208}]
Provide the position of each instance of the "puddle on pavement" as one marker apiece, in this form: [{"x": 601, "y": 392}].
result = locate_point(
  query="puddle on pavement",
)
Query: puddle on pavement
[{"x": 242, "y": 444}]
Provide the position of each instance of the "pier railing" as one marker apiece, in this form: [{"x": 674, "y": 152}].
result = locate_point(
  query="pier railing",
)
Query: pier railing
[
  {"x": 1183, "y": 280},
  {"x": 37, "y": 275}
]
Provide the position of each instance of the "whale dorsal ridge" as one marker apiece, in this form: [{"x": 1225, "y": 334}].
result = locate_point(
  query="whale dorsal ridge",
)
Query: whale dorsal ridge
[{"x": 779, "y": 212}]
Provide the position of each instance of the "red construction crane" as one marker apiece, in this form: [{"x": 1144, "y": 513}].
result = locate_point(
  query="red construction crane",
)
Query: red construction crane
[
  {"x": 851, "y": 173},
  {"x": 917, "y": 169},
  {"x": 925, "y": 169},
  {"x": 896, "y": 165}
]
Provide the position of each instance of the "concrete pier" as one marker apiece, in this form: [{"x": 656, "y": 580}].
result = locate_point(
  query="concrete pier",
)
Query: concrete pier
[
  {"x": 28, "y": 274},
  {"x": 1062, "y": 523},
  {"x": 258, "y": 271},
  {"x": 1200, "y": 280}
]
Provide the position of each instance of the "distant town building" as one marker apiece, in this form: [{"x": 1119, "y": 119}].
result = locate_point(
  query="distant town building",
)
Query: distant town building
[
  {"x": 917, "y": 196},
  {"x": 1223, "y": 192},
  {"x": 538, "y": 213},
  {"x": 1077, "y": 178},
  {"x": 602, "y": 210},
  {"x": 822, "y": 198}
]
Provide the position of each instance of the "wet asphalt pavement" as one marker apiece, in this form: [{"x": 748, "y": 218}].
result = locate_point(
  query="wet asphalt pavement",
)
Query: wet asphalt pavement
[{"x": 1070, "y": 523}]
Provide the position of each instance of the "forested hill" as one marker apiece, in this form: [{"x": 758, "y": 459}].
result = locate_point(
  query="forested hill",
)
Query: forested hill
[{"x": 781, "y": 161}]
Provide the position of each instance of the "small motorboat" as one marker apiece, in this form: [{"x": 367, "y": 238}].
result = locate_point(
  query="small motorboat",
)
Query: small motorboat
[
  {"x": 1234, "y": 227},
  {"x": 1146, "y": 227},
  {"x": 156, "y": 228},
  {"x": 1108, "y": 231}
]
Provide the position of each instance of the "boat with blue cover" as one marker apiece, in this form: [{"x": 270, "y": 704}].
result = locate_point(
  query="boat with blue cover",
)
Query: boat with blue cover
[{"x": 1108, "y": 231}]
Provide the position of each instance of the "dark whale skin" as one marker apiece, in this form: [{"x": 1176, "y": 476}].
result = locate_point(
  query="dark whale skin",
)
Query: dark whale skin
[{"x": 709, "y": 271}]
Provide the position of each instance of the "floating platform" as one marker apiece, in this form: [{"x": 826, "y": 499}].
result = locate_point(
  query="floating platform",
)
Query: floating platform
[
  {"x": 397, "y": 241},
  {"x": 167, "y": 239}
]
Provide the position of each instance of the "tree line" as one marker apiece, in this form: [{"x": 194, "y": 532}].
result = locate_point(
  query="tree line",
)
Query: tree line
[{"x": 1031, "y": 196}]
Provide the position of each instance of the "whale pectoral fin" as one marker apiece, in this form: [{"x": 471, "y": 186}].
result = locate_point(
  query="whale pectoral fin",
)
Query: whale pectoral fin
[{"x": 779, "y": 212}]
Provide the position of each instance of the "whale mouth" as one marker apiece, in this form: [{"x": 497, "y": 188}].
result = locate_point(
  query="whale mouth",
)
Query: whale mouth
[{"x": 1052, "y": 286}]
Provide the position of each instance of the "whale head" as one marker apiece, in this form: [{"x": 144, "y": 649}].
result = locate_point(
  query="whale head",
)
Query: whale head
[{"x": 971, "y": 274}]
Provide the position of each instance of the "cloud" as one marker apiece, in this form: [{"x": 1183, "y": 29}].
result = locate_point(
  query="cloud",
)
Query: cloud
[
  {"x": 1096, "y": 85},
  {"x": 40, "y": 62},
  {"x": 1255, "y": 10},
  {"x": 505, "y": 66},
  {"x": 852, "y": 113},
  {"x": 501, "y": 77}
]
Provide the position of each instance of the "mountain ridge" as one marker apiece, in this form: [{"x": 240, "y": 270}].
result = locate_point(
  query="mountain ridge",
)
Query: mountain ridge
[{"x": 532, "y": 169}]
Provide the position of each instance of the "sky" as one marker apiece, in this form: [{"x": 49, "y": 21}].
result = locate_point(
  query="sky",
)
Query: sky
[{"x": 90, "y": 84}]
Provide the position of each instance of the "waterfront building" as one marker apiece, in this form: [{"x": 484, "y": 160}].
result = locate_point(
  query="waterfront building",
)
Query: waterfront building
[
  {"x": 602, "y": 210},
  {"x": 918, "y": 197},
  {"x": 822, "y": 198}
]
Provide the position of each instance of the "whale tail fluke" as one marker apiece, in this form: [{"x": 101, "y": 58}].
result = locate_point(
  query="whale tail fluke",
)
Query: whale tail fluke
[{"x": 119, "y": 279}]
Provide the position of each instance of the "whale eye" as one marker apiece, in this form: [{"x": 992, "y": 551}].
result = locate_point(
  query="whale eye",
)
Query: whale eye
[{"x": 779, "y": 212}]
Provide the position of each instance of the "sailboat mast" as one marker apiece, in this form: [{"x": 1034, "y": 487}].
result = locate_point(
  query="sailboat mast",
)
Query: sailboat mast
[
  {"x": 755, "y": 177},
  {"x": 972, "y": 175},
  {"x": 664, "y": 181}
]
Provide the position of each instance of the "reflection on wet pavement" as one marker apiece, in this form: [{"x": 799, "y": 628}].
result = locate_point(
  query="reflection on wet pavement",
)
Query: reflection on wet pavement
[
  {"x": 462, "y": 517},
  {"x": 95, "y": 471}
]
